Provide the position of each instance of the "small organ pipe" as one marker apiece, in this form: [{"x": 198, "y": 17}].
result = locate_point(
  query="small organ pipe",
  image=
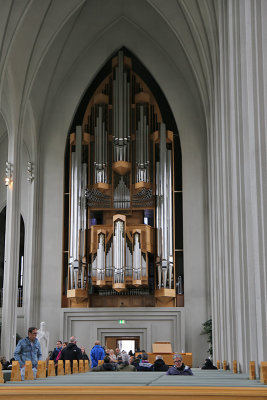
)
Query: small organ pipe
[
  {"x": 137, "y": 257},
  {"x": 94, "y": 263},
  {"x": 71, "y": 275},
  {"x": 143, "y": 265},
  {"x": 101, "y": 257}
]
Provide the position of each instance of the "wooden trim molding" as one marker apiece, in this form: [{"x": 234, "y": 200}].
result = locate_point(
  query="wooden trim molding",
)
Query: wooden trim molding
[{"x": 130, "y": 393}]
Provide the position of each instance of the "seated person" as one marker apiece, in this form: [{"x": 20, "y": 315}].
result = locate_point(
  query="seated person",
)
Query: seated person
[
  {"x": 112, "y": 355},
  {"x": 106, "y": 366},
  {"x": 84, "y": 355},
  {"x": 135, "y": 361},
  {"x": 159, "y": 364},
  {"x": 208, "y": 364},
  {"x": 123, "y": 363},
  {"x": 179, "y": 368},
  {"x": 144, "y": 365}
]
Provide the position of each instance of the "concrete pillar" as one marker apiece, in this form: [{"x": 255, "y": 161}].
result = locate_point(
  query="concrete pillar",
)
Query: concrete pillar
[
  {"x": 237, "y": 185},
  {"x": 12, "y": 241}
]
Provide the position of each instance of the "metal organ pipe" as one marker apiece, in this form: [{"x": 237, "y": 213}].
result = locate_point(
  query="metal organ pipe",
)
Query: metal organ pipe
[
  {"x": 121, "y": 195},
  {"x": 164, "y": 192},
  {"x": 119, "y": 249},
  {"x": 164, "y": 212},
  {"x": 100, "y": 146},
  {"x": 158, "y": 221},
  {"x": 109, "y": 261},
  {"x": 101, "y": 257},
  {"x": 73, "y": 157},
  {"x": 121, "y": 116},
  {"x": 129, "y": 260},
  {"x": 78, "y": 213},
  {"x": 169, "y": 211},
  {"x": 94, "y": 265},
  {"x": 137, "y": 257},
  {"x": 143, "y": 265},
  {"x": 142, "y": 155}
]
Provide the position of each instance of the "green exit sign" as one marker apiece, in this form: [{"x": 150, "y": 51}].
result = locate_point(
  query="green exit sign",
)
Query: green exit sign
[{"x": 121, "y": 321}]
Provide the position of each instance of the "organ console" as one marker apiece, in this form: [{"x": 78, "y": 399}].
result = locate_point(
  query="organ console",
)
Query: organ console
[{"x": 121, "y": 223}]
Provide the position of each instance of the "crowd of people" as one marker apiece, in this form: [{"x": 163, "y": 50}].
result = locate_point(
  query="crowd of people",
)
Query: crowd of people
[{"x": 110, "y": 360}]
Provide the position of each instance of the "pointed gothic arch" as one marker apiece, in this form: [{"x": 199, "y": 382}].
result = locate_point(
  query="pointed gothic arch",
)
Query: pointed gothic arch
[{"x": 132, "y": 177}]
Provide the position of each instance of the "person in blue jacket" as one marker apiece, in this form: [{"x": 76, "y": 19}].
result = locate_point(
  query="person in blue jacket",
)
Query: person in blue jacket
[
  {"x": 28, "y": 349},
  {"x": 97, "y": 353}
]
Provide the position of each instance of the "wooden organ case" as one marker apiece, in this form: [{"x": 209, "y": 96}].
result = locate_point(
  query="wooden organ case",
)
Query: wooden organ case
[{"x": 121, "y": 213}]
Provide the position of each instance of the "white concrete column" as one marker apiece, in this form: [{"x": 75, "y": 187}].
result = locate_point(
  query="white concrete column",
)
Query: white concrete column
[
  {"x": 237, "y": 158},
  {"x": 31, "y": 281},
  {"x": 12, "y": 240}
]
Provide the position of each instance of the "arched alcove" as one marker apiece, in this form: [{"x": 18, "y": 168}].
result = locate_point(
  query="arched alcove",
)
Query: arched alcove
[{"x": 124, "y": 92}]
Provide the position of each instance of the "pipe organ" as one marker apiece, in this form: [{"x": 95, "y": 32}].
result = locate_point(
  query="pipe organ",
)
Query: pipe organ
[{"x": 121, "y": 229}]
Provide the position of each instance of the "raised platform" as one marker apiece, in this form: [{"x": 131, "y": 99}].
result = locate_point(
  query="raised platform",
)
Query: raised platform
[{"x": 135, "y": 385}]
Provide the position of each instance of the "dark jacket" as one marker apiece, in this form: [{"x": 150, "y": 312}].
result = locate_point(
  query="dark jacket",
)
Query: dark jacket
[
  {"x": 55, "y": 353},
  {"x": 126, "y": 367},
  {"x": 112, "y": 367},
  {"x": 159, "y": 365},
  {"x": 144, "y": 366},
  {"x": 208, "y": 365},
  {"x": 71, "y": 352},
  {"x": 97, "y": 353},
  {"x": 85, "y": 356},
  {"x": 183, "y": 370}
]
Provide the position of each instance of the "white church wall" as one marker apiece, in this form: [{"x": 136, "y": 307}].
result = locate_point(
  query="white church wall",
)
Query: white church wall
[{"x": 154, "y": 325}]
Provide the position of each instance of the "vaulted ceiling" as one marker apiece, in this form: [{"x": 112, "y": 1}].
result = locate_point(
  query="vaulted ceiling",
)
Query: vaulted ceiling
[{"x": 48, "y": 44}]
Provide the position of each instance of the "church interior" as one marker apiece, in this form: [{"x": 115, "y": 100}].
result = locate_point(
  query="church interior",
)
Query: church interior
[{"x": 133, "y": 170}]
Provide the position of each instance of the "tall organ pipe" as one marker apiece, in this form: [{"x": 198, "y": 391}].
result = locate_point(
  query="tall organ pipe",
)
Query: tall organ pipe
[
  {"x": 77, "y": 214},
  {"x": 170, "y": 211},
  {"x": 164, "y": 212},
  {"x": 121, "y": 116},
  {"x": 142, "y": 157},
  {"x": 164, "y": 192},
  {"x": 100, "y": 146}
]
